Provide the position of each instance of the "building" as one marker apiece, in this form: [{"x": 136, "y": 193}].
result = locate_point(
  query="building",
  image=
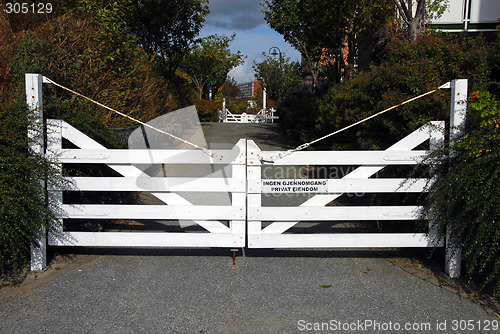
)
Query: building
[
  {"x": 249, "y": 89},
  {"x": 469, "y": 16}
]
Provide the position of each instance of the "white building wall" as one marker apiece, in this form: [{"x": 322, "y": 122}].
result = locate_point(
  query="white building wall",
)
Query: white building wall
[{"x": 469, "y": 12}]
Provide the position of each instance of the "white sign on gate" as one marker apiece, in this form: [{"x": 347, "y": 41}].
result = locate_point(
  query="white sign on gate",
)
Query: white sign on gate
[{"x": 294, "y": 186}]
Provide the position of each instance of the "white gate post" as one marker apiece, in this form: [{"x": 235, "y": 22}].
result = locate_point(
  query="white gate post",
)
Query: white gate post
[
  {"x": 457, "y": 123},
  {"x": 244, "y": 118},
  {"x": 224, "y": 111},
  {"x": 264, "y": 99},
  {"x": 35, "y": 134},
  {"x": 254, "y": 200}
]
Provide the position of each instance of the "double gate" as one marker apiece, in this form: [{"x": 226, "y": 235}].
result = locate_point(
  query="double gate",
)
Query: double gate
[
  {"x": 283, "y": 204},
  {"x": 265, "y": 202}
]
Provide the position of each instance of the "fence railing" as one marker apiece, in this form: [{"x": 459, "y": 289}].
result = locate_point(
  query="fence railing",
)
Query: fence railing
[{"x": 263, "y": 116}]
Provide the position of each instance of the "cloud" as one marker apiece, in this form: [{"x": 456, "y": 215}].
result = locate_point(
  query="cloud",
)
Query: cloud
[
  {"x": 235, "y": 14},
  {"x": 253, "y": 35},
  {"x": 244, "y": 72}
]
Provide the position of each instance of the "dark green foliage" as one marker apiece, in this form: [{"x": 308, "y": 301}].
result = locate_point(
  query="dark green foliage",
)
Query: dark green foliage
[
  {"x": 209, "y": 63},
  {"x": 166, "y": 29},
  {"x": 207, "y": 110},
  {"x": 85, "y": 45},
  {"x": 24, "y": 205},
  {"x": 279, "y": 76},
  {"x": 406, "y": 71},
  {"x": 465, "y": 198},
  {"x": 298, "y": 113}
]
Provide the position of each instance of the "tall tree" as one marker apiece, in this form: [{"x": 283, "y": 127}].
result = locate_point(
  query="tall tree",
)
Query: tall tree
[
  {"x": 414, "y": 13},
  {"x": 167, "y": 28},
  {"x": 301, "y": 23},
  {"x": 320, "y": 30},
  {"x": 210, "y": 61},
  {"x": 369, "y": 18},
  {"x": 279, "y": 76}
]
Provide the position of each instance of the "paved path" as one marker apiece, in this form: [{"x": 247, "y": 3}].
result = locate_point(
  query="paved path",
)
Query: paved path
[{"x": 200, "y": 291}]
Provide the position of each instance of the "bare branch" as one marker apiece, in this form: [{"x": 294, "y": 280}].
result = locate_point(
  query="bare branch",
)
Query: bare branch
[{"x": 403, "y": 11}]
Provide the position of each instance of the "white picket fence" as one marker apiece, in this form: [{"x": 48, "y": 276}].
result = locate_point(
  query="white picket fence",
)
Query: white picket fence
[{"x": 247, "y": 220}]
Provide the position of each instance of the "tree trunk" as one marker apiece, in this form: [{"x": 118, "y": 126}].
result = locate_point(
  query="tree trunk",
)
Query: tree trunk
[
  {"x": 315, "y": 75},
  {"x": 413, "y": 21},
  {"x": 413, "y": 29}
]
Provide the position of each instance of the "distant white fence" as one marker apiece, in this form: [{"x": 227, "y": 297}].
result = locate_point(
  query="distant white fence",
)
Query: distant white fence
[{"x": 263, "y": 116}]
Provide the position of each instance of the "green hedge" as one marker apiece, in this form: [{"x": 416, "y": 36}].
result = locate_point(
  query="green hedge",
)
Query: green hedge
[
  {"x": 207, "y": 110},
  {"x": 24, "y": 206},
  {"x": 465, "y": 196}
]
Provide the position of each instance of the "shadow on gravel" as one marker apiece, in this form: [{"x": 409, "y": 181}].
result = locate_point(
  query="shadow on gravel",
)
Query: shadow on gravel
[
  {"x": 143, "y": 251},
  {"x": 329, "y": 253},
  {"x": 247, "y": 252}
]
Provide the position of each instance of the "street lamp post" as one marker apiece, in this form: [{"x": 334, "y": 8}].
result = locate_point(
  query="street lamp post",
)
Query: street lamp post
[{"x": 276, "y": 52}]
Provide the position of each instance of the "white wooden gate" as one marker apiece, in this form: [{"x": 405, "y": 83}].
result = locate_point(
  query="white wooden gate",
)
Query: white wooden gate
[
  {"x": 263, "y": 116},
  {"x": 166, "y": 189},
  {"x": 324, "y": 190},
  {"x": 246, "y": 221}
]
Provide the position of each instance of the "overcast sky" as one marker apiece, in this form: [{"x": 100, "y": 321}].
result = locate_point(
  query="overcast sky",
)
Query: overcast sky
[{"x": 253, "y": 35}]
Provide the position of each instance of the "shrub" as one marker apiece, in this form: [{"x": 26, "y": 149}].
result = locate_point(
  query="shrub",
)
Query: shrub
[
  {"x": 23, "y": 195},
  {"x": 465, "y": 198},
  {"x": 207, "y": 110},
  {"x": 408, "y": 70},
  {"x": 90, "y": 53},
  {"x": 298, "y": 115}
]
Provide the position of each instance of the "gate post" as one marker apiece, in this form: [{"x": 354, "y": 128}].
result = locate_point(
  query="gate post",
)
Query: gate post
[
  {"x": 224, "y": 111},
  {"x": 457, "y": 123},
  {"x": 35, "y": 134},
  {"x": 239, "y": 198},
  {"x": 254, "y": 199}
]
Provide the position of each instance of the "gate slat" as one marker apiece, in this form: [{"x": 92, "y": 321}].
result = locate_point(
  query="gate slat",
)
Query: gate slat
[
  {"x": 331, "y": 213},
  {"x": 205, "y": 212},
  {"x": 147, "y": 239},
  {"x": 343, "y": 240},
  {"x": 121, "y": 156},
  {"x": 392, "y": 157},
  {"x": 153, "y": 184}
]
